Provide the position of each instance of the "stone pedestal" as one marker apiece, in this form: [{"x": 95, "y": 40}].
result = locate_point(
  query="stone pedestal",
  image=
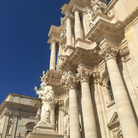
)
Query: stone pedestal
[{"x": 44, "y": 131}]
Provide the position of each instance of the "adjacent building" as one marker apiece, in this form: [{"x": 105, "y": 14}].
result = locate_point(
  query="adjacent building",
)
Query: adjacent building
[{"x": 17, "y": 116}]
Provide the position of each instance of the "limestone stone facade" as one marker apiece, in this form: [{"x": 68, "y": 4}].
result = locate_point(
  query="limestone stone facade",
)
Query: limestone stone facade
[
  {"x": 95, "y": 77},
  {"x": 17, "y": 116}
]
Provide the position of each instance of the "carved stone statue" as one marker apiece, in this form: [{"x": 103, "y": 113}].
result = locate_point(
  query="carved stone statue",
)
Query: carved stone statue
[{"x": 46, "y": 93}]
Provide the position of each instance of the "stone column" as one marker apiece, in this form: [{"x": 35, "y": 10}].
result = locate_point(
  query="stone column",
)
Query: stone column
[
  {"x": 100, "y": 105},
  {"x": 69, "y": 31},
  {"x": 14, "y": 126},
  {"x": 53, "y": 56},
  {"x": 124, "y": 109},
  {"x": 87, "y": 106},
  {"x": 73, "y": 109},
  {"x": 78, "y": 28}
]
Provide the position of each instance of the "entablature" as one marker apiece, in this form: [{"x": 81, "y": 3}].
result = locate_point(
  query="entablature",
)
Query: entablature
[
  {"x": 105, "y": 30},
  {"x": 87, "y": 57},
  {"x": 53, "y": 78},
  {"x": 17, "y": 107},
  {"x": 54, "y": 34}
]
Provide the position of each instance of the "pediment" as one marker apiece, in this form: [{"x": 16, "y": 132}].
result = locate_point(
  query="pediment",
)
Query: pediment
[{"x": 114, "y": 121}]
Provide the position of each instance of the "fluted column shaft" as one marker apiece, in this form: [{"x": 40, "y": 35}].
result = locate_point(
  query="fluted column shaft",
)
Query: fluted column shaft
[
  {"x": 125, "y": 113},
  {"x": 14, "y": 127},
  {"x": 74, "y": 114},
  {"x": 88, "y": 112},
  {"x": 78, "y": 28},
  {"x": 87, "y": 108},
  {"x": 53, "y": 56},
  {"x": 69, "y": 32}
]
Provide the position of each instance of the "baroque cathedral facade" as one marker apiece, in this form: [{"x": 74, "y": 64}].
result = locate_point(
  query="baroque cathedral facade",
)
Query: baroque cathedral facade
[{"x": 91, "y": 87}]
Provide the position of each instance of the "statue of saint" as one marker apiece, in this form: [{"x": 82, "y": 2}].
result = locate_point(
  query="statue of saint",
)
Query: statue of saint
[{"x": 46, "y": 93}]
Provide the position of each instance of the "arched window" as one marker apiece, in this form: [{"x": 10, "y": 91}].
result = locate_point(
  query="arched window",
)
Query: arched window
[
  {"x": 29, "y": 127},
  {"x": 120, "y": 135},
  {"x": 110, "y": 91}
]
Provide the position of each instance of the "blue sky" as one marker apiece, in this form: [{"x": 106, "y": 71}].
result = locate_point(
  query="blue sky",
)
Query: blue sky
[{"x": 24, "y": 52}]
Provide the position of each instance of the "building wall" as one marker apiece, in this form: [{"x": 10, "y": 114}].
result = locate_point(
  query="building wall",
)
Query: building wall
[
  {"x": 17, "y": 114},
  {"x": 123, "y": 13}
]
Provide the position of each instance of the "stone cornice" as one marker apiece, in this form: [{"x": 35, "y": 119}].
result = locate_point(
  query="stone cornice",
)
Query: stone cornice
[
  {"x": 54, "y": 39},
  {"x": 17, "y": 106},
  {"x": 54, "y": 30},
  {"x": 105, "y": 29},
  {"x": 21, "y": 96},
  {"x": 89, "y": 57},
  {"x": 54, "y": 34}
]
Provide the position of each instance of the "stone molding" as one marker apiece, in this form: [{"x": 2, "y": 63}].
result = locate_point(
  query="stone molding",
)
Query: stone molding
[
  {"x": 79, "y": 56},
  {"x": 112, "y": 31},
  {"x": 55, "y": 39}
]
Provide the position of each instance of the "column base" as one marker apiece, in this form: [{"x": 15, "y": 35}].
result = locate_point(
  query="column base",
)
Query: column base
[{"x": 44, "y": 131}]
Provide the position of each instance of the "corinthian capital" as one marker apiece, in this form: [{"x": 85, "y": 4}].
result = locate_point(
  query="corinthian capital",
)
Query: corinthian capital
[
  {"x": 71, "y": 82},
  {"x": 109, "y": 52},
  {"x": 83, "y": 75}
]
